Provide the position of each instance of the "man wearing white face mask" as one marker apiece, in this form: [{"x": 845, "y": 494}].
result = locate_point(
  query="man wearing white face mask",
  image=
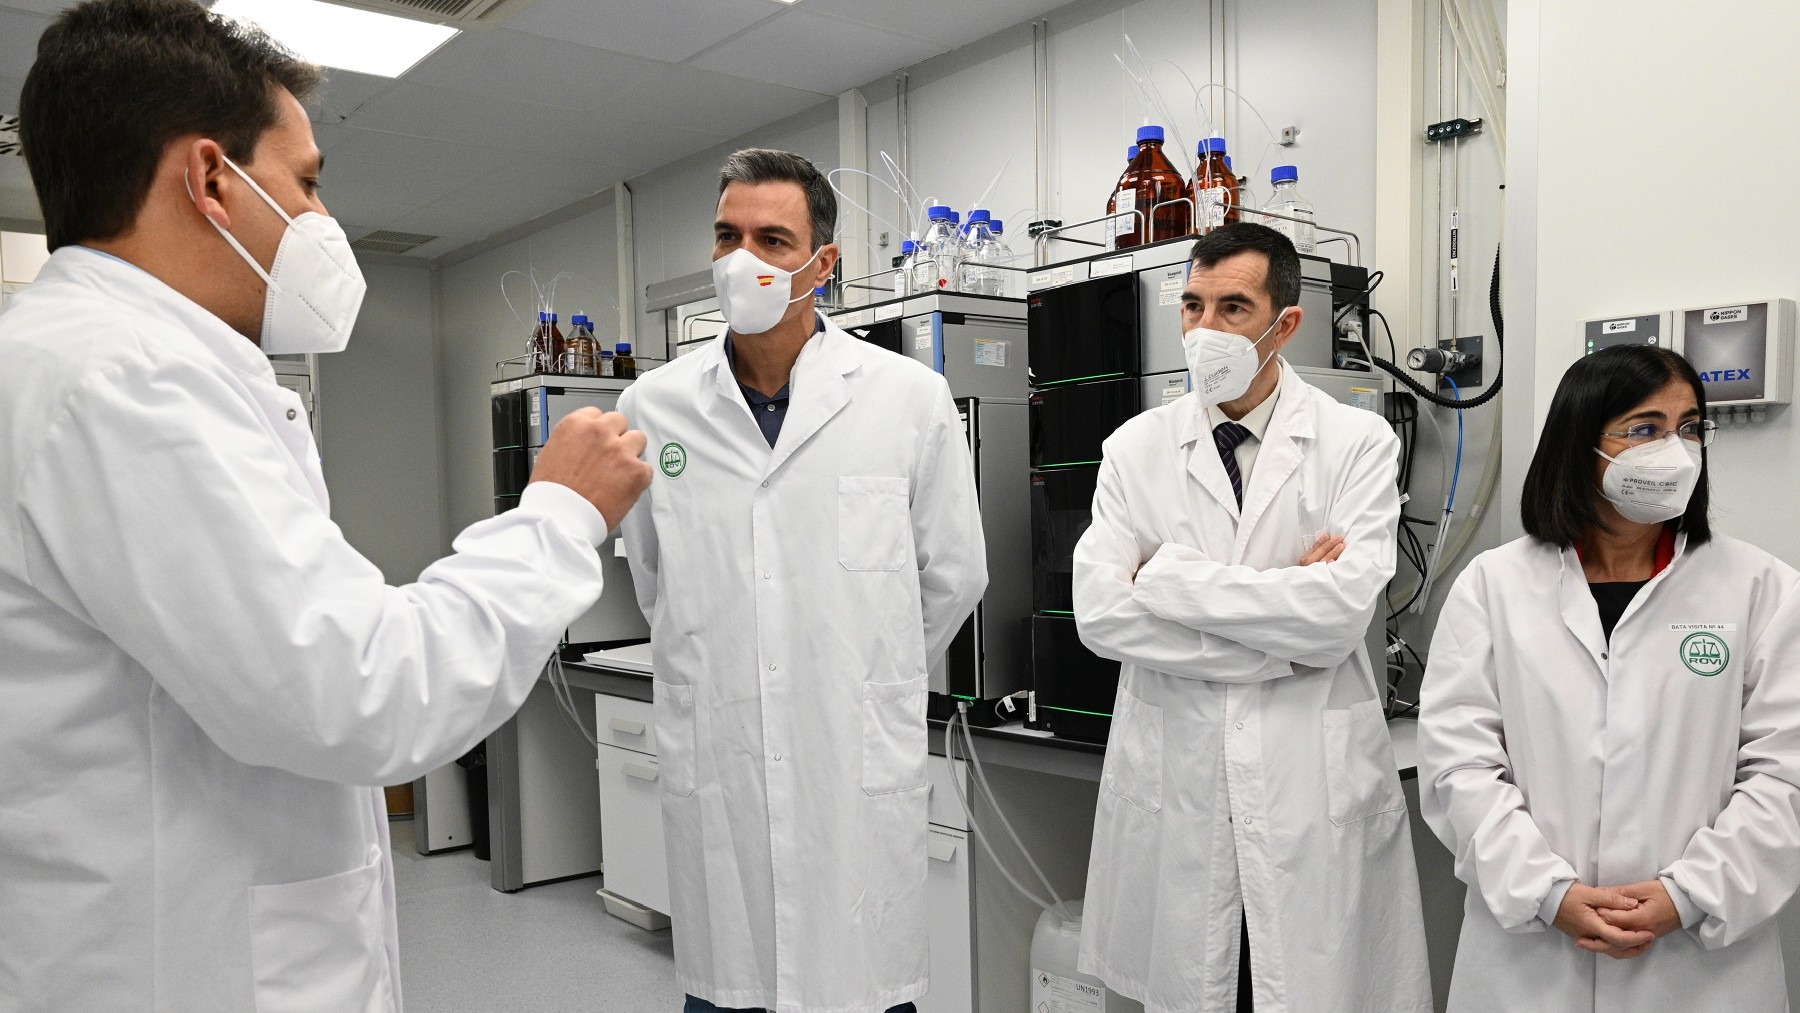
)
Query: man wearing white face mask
[
  {"x": 200, "y": 680},
  {"x": 1609, "y": 730},
  {"x": 811, "y": 544},
  {"x": 1251, "y": 847}
]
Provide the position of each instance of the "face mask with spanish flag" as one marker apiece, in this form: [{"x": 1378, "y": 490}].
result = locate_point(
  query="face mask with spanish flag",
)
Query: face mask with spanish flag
[{"x": 754, "y": 295}]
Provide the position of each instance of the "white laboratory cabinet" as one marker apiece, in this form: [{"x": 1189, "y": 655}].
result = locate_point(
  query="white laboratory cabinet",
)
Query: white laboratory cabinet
[
  {"x": 631, "y": 830},
  {"x": 949, "y": 894}
]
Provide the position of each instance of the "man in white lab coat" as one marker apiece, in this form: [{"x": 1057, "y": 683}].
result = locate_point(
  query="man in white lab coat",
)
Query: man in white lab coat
[
  {"x": 1251, "y": 846},
  {"x": 201, "y": 682},
  {"x": 810, "y": 544}
]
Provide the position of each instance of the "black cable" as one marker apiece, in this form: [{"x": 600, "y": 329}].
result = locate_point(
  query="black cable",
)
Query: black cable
[{"x": 1499, "y": 346}]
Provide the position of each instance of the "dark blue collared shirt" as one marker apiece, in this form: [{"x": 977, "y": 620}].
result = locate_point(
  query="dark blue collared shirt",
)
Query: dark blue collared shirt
[{"x": 770, "y": 412}]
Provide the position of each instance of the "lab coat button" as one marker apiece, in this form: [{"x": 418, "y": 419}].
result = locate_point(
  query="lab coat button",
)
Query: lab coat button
[
  {"x": 768, "y": 576},
  {"x": 777, "y": 757},
  {"x": 1248, "y": 821},
  {"x": 1603, "y": 655},
  {"x": 1240, "y": 726},
  {"x": 292, "y": 414},
  {"x": 765, "y": 485},
  {"x": 771, "y": 668}
]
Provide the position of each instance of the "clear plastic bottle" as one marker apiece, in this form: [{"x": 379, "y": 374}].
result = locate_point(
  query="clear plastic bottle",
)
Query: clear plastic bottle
[
  {"x": 976, "y": 271},
  {"x": 1149, "y": 181},
  {"x": 903, "y": 273},
  {"x": 605, "y": 363},
  {"x": 1285, "y": 199},
  {"x": 624, "y": 364},
  {"x": 936, "y": 270},
  {"x": 1215, "y": 190}
]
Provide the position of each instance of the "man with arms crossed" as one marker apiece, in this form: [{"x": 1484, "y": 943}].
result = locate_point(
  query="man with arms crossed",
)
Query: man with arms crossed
[{"x": 1251, "y": 846}]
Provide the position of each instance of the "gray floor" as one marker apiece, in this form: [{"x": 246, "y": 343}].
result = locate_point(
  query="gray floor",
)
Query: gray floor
[{"x": 465, "y": 948}]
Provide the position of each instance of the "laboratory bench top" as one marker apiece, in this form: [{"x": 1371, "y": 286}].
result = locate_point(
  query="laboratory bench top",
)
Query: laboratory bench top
[{"x": 625, "y": 672}]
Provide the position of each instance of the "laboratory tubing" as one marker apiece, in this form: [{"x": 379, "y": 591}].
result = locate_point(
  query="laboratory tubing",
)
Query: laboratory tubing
[
  {"x": 1286, "y": 200},
  {"x": 546, "y": 345},
  {"x": 579, "y": 353},
  {"x": 976, "y": 270},
  {"x": 1215, "y": 189},
  {"x": 1150, "y": 180},
  {"x": 624, "y": 364}
]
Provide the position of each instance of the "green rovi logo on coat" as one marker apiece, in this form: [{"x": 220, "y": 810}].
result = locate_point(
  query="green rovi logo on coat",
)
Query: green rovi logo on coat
[
  {"x": 674, "y": 459},
  {"x": 1704, "y": 654}
]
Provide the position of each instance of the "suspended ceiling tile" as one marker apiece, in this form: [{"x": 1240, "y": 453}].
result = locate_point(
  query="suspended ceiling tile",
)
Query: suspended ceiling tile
[
  {"x": 801, "y": 49},
  {"x": 529, "y": 68},
  {"x": 45, "y": 7},
  {"x": 667, "y": 30},
  {"x": 362, "y": 190},
  {"x": 949, "y": 23},
  {"x": 19, "y": 31},
  {"x": 446, "y": 115},
  {"x": 713, "y": 104},
  {"x": 10, "y": 87},
  {"x": 343, "y": 93},
  {"x": 465, "y": 162}
]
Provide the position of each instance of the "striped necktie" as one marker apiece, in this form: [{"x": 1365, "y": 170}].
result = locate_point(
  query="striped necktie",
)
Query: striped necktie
[{"x": 1227, "y": 436}]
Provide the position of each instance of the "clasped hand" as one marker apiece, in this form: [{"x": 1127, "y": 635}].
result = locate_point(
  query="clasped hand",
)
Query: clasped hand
[{"x": 1621, "y": 922}]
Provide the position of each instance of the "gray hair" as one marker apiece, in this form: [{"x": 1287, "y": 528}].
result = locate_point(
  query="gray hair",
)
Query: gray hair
[{"x": 766, "y": 165}]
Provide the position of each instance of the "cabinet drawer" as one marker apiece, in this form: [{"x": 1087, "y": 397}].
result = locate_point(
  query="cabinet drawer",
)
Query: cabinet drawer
[
  {"x": 629, "y": 724},
  {"x": 631, "y": 827},
  {"x": 951, "y": 928},
  {"x": 945, "y": 809}
]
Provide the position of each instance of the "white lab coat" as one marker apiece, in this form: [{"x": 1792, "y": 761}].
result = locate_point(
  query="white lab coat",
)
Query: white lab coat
[
  {"x": 1547, "y": 755},
  {"x": 795, "y": 596},
  {"x": 197, "y": 671},
  {"x": 1248, "y": 755}
]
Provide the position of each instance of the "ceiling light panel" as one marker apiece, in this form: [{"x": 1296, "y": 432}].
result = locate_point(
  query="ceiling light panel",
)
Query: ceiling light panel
[{"x": 341, "y": 37}]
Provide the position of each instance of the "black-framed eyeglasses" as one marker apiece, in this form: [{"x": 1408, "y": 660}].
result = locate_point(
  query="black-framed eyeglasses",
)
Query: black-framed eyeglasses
[{"x": 1699, "y": 431}]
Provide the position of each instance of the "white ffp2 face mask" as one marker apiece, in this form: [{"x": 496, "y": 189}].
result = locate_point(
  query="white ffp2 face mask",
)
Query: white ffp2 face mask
[
  {"x": 1652, "y": 483},
  {"x": 753, "y": 295},
  {"x": 1222, "y": 363},
  {"x": 315, "y": 287}
]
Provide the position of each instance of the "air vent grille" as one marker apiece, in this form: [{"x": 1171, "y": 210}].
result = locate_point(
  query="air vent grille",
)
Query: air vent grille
[
  {"x": 384, "y": 241},
  {"x": 456, "y": 13}
]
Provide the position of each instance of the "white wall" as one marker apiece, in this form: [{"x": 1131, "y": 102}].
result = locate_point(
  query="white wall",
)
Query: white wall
[
  {"x": 1615, "y": 230},
  {"x": 673, "y": 206},
  {"x": 378, "y": 413},
  {"x": 1301, "y": 64},
  {"x": 1598, "y": 225},
  {"x": 477, "y": 329}
]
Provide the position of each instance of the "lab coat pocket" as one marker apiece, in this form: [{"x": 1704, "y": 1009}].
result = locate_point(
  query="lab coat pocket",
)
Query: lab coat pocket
[
  {"x": 893, "y": 736},
  {"x": 321, "y": 944},
  {"x": 676, "y": 739},
  {"x": 1360, "y": 780},
  {"x": 1134, "y": 756},
  {"x": 874, "y": 523}
]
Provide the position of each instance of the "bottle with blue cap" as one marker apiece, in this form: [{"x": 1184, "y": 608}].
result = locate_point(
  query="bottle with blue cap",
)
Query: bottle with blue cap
[
  {"x": 546, "y": 345},
  {"x": 581, "y": 354},
  {"x": 937, "y": 263},
  {"x": 1286, "y": 200},
  {"x": 1148, "y": 186},
  {"x": 1215, "y": 189},
  {"x": 903, "y": 267},
  {"x": 977, "y": 269}
]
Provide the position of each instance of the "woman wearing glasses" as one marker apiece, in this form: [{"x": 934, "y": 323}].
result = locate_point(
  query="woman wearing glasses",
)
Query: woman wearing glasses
[{"x": 1609, "y": 729}]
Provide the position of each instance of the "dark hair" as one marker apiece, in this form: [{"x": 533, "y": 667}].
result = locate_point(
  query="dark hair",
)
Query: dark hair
[
  {"x": 1560, "y": 501},
  {"x": 766, "y": 165},
  {"x": 1283, "y": 280},
  {"x": 116, "y": 80}
]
